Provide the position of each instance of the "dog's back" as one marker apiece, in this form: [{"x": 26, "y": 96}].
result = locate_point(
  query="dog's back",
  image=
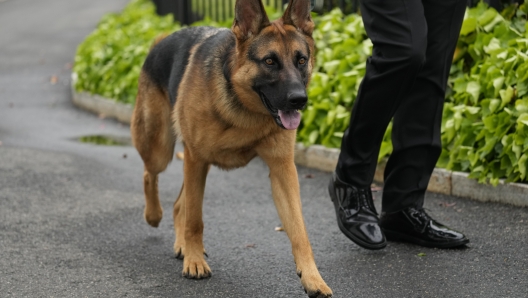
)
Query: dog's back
[{"x": 167, "y": 61}]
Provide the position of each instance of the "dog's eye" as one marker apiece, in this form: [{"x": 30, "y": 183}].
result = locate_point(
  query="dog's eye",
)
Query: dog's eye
[
  {"x": 269, "y": 61},
  {"x": 302, "y": 61}
]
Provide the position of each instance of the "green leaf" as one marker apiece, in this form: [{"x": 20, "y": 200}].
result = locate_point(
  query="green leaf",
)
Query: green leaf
[
  {"x": 473, "y": 88},
  {"x": 487, "y": 17},
  {"x": 312, "y": 138},
  {"x": 506, "y": 96},
  {"x": 469, "y": 26},
  {"x": 497, "y": 84},
  {"x": 491, "y": 25},
  {"x": 493, "y": 45},
  {"x": 494, "y": 105}
]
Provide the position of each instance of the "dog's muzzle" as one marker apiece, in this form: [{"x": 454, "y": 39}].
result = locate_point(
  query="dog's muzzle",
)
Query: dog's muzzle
[{"x": 288, "y": 117}]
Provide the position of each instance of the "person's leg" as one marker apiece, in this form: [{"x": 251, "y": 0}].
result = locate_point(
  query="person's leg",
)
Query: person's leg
[
  {"x": 416, "y": 137},
  {"x": 416, "y": 125},
  {"x": 398, "y": 31}
]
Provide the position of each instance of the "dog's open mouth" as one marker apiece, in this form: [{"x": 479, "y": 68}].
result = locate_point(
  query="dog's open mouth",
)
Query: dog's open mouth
[{"x": 287, "y": 119}]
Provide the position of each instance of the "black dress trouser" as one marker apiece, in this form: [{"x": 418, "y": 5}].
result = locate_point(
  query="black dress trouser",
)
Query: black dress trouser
[{"x": 406, "y": 78}]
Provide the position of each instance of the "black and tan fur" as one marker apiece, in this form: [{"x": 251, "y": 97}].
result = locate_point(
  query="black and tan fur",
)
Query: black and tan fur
[{"x": 229, "y": 96}]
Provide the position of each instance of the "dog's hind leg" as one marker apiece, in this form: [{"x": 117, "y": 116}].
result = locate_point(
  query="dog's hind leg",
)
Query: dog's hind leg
[
  {"x": 153, "y": 211},
  {"x": 195, "y": 173},
  {"x": 154, "y": 139}
]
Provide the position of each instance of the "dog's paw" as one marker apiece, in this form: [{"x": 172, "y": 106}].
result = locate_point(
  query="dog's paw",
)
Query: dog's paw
[
  {"x": 314, "y": 285},
  {"x": 196, "y": 268},
  {"x": 153, "y": 216}
]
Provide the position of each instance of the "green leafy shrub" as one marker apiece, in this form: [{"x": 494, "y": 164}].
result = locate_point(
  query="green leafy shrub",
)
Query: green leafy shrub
[
  {"x": 485, "y": 121},
  {"x": 109, "y": 60}
]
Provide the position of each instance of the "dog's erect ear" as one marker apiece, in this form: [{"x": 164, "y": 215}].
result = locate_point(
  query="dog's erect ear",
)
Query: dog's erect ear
[
  {"x": 298, "y": 15},
  {"x": 250, "y": 18}
]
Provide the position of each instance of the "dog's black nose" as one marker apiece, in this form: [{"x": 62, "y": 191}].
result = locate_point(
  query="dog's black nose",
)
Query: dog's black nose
[{"x": 297, "y": 99}]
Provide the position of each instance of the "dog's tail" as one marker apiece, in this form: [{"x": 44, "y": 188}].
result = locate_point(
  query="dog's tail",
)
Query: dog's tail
[{"x": 158, "y": 39}]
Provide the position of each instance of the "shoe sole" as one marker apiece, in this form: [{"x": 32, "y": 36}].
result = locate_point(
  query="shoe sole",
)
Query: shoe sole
[
  {"x": 349, "y": 235},
  {"x": 398, "y": 237}
]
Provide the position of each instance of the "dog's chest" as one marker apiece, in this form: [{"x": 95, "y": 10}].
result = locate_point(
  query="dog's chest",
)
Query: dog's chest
[
  {"x": 232, "y": 148},
  {"x": 225, "y": 146},
  {"x": 232, "y": 158}
]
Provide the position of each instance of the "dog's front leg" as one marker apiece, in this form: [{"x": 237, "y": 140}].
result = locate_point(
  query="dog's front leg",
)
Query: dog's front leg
[
  {"x": 195, "y": 173},
  {"x": 286, "y": 195}
]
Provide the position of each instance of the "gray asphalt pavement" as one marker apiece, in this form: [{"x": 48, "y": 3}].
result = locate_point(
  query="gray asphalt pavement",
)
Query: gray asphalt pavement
[{"x": 71, "y": 213}]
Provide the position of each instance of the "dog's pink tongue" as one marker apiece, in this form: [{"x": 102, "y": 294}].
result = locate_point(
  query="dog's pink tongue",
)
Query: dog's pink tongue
[{"x": 290, "y": 119}]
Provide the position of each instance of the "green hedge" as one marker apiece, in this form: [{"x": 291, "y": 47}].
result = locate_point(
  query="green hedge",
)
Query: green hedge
[
  {"x": 484, "y": 126},
  {"x": 484, "y": 129},
  {"x": 109, "y": 60}
]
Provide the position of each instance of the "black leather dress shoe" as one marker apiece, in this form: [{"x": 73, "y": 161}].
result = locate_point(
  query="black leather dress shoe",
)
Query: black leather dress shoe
[
  {"x": 415, "y": 226},
  {"x": 356, "y": 214}
]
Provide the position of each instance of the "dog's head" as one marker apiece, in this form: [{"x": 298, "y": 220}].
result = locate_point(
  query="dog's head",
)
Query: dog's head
[{"x": 274, "y": 60}]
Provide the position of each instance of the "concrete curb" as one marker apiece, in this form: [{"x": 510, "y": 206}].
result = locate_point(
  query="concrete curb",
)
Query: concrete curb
[
  {"x": 101, "y": 105},
  {"x": 442, "y": 181},
  {"x": 325, "y": 159}
]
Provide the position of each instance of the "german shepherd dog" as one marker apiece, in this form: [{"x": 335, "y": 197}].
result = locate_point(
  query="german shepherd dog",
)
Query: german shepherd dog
[{"x": 229, "y": 96}]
